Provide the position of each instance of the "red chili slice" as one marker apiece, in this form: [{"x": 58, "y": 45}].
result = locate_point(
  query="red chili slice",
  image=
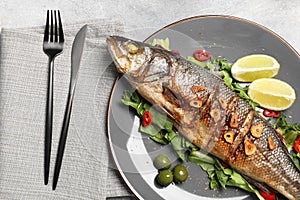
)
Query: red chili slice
[
  {"x": 268, "y": 113},
  {"x": 271, "y": 113},
  {"x": 268, "y": 196},
  {"x": 201, "y": 55},
  {"x": 277, "y": 114},
  {"x": 147, "y": 118},
  {"x": 297, "y": 145},
  {"x": 175, "y": 52},
  {"x": 224, "y": 164}
]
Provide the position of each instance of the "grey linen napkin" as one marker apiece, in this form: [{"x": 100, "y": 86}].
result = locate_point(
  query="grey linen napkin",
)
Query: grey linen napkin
[{"x": 87, "y": 171}]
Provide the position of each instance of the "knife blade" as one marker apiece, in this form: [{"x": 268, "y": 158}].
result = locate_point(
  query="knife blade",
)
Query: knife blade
[{"x": 76, "y": 54}]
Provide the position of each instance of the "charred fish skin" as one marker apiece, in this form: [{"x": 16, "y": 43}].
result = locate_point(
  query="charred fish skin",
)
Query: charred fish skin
[{"x": 208, "y": 113}]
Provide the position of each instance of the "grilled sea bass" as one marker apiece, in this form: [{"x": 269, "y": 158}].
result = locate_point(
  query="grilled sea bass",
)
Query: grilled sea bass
[{"x": 208, "y": 113}]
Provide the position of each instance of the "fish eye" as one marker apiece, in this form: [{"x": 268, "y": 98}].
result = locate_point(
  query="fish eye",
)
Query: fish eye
[{"x": 132, "y": 48}]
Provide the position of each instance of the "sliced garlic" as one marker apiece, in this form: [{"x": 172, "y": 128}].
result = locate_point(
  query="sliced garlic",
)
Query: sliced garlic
[
  {"x": 249, "y": 146},
  {"x": 229, "y": 137},
  {"x": 272, "y": 144},
  {"x": 215, "y": 114},
  {"x": 256, "y": 130},
  {"x": 196, "y": 103}
]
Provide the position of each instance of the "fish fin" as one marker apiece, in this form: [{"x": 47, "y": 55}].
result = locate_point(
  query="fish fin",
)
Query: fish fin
[
  {"x": 171, "y": 96},
  {"x": 205, "y": 109}
]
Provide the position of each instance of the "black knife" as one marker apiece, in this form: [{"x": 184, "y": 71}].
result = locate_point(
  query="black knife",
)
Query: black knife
[{"x": 77, "y": 50}]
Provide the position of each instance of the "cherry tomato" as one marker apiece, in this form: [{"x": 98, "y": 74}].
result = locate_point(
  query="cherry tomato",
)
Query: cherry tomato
[
  {"x": 201, "y": 55},
  {"x": 297, "y": 145},
  {"x": 268, "y": 196},
  {"x": 147, "y": 118}
]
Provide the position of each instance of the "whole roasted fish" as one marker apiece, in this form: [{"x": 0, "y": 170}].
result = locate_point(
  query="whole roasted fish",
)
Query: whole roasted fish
[{"x": 208, "y": 113}]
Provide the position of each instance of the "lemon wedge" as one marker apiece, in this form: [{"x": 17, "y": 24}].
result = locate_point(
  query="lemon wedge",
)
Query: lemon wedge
[
  {"x": 255, "y": 66},
  {"x": 271, "y": 93}
]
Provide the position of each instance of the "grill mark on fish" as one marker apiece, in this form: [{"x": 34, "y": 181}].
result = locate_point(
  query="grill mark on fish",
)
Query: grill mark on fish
[
  {"x": 215, "y": 123},
  {"x": 205, "y": 116}
]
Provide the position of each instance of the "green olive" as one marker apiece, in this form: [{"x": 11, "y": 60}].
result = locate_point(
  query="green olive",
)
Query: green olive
[
  {"x": 165, "y": 177},
  {"x": 180, "y": 173},
  {"x": 162, "y": 162}
]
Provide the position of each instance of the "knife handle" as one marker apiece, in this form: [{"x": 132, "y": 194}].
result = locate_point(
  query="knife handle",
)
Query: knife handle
[
  {"x": 49, "y": 118},
  {"x": 63, "y": 138}
]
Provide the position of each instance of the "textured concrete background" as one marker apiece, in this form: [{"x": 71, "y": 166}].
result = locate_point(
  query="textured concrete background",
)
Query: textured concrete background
[{"x": 143, "y": 17}]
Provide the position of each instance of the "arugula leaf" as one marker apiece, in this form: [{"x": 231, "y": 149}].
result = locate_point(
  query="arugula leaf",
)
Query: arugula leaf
[
  {"x": 222, "y": 178},
  {"x": 197, "y": 156},
  {"x": 164, "y": 43},
  {"x": 290, "y": 132},
  {"x": 223, "y": 63},
  {"x": 201, "y": 64},
  {"x": 131, "y": 99},
  {"x": 296, "y": 159},
  {"x": 242, "y": 91},
  {"x": 214, "y": 184},
  {"x": 227, "y": 79}
]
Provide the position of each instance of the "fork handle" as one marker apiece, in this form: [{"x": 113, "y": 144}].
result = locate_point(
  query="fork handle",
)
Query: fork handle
[{"x": 49, "y": 119}]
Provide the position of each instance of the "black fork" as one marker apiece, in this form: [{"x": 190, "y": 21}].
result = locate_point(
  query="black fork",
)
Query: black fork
[{"x": 52, "y": 46}]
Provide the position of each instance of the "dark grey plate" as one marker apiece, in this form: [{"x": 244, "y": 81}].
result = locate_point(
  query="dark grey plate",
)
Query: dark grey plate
[{"x": 224, "y": 36}]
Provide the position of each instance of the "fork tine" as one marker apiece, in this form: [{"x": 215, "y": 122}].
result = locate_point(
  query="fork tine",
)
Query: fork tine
[
  {"x": 55, "y": 31},
  {"x": 61, "y": 32},
  {"x": 51, "y": 30},
  {"x": 46, "y": 34}
]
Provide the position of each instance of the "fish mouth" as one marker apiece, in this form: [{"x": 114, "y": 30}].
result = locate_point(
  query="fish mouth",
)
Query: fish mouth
[
  {"x": 118, "y": 53},
  {"x": 110, "y": 41}
]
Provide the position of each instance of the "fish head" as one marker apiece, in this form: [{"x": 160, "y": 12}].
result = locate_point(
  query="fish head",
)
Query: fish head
[{"x": 128, "y": 55}]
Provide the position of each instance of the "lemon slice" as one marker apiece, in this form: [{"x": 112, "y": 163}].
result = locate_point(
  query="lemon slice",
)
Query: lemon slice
[
  {"x": 252, "y": 67},
  {"x": 272, "y": 93}
]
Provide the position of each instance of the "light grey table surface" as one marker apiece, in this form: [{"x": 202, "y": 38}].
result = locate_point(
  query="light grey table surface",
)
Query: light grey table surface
[{"x": 283, "y": 17}]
